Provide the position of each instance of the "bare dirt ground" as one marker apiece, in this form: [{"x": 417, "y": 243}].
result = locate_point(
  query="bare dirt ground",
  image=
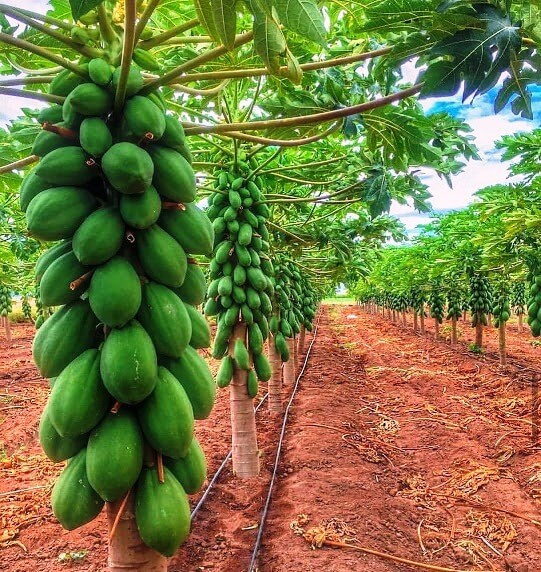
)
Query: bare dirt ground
[{"x": 396, "y": 443}]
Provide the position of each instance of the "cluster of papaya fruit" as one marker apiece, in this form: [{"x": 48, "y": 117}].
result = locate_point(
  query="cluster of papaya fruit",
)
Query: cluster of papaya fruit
[
  {"x": 454, "y": 304},
  {"x": 436, "y": 303},
  {"x": 42, "y": 312},
  {"x": 518, "y": 298},
  {"x": 26, "y": 308},
  {"x": 116, "y": 188},
  {"x": 309, "y": 302},
  {"x": 5, "y": 301},
  {"x": 480, "y": 299},
  {"x": 502, "y": 307},
  {"x": 534, "y": 302},
  {"x": 241, "y": 274}
]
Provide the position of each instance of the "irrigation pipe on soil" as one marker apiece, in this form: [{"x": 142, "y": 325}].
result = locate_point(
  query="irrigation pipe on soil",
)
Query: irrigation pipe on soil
[{"x": 264, "y": 514}]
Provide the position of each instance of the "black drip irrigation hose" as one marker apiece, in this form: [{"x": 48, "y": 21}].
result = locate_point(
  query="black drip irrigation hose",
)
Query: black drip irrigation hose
[
  {"x": 265, "y": 512},
  {"x": 220, "y": 470}
]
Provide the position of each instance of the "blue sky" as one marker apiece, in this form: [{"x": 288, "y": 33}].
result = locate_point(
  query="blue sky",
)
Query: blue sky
[{"x": 487, "y": 129}]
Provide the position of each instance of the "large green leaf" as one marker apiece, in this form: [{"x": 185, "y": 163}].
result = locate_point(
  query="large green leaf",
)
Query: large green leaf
[
  {"x": 302, "y": 17},
  {"x": 81, "y": 7},
  {"x": 269, "y": 41},
  {"x": 205, "y": 13},
  {"x": 225, "y": 20}
]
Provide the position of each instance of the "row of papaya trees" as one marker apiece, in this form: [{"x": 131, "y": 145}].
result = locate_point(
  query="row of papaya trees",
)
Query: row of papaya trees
[{"x": 146, "y": 194}]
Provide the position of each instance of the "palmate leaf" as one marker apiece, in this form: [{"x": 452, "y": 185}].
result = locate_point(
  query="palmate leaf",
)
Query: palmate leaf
[
  {"x": 81, "y": 7},
  {"x": 205, "y": 14},
  {"x": 225, "y": 20},
  {"x": 472, "y": 56},
  {"x": 302, "y": 17},
  {"x": 269, "y": 41}
]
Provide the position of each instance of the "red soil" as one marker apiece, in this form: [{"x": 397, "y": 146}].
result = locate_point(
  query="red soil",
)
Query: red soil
[{"x": 384, "y": 423}]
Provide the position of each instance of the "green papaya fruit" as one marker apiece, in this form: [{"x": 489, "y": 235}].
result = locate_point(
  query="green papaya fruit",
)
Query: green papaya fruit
[
  {"x": 253, "y": 299},
  {"x": 166, "y": 417},
  {"x": 100, "y": 72},
  {"x": 94, "y": 136},
  {"x": 245, "y": 234},
  {"x": 174, "y": 135},
  {"x": 56, "y": 447},
  {"x": 47, "y": 141},
  {"x": 164, "y": 316},
  {"x": 128, "y": 168},
  {"x": 66, "y": 166},
  {"x": 193, "y": 289},
  {"x": 55, "y": 287},
  {"x": 256, "y": 278},
  {"x": 49, "y": 256},
  {"x": 173, "y": 178},
  {"x": 241, "y": 355},
  {"x": 115, "y": 292},
  {"x": 64, "y": 83},
  {"x": 193, "y": 373},
  {"x": 73, "y": 500},
  {"x": 231, "y": 317},
  {"x": 255, "y": 338},
  {"x": 51, "y": 114},
  {"x": 191, "y": 470},
  {"x": 114, "y": 455},
  {"x": 281, "y": 346},
  {"x": 221, "y": 253},
  {"x": 162, "y": 511},
  {"x": 31, "y": 186},
  {"x": 212, "y": 307},
  {"x": 252, "y": 385},
  {"x": 70, "y": 118},
  {"x": 190, "y": 227},
  {"x": 247, "y": 314},
  {"x": 243, "y": 255},
  {"x": 142, "y": 210},
  {"x": 225, "y": 372},
  {"x": 262, "y": 366},
  {"x": 161, "y": 256},
  {"x": 91, "y": 99},
  {"x": 67, "y": 333},
  {"x": 142, "y": 117},
  {"x": 221, "y": 341},
  {"x": 201, "y": 336},
  {"x": 238, "y": 294},
  {"x": 225, "y": 286},
  {"x": 239, "y": 275},
  {"x": 134, "y": 84},
  {"x": 78, "y": 399},
  {"x": 99, "y": 237},
  {"x": 129, "y": 365}
]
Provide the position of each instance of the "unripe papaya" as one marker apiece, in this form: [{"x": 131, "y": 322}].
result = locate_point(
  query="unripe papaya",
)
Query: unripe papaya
[
  {"x": 241, "y": 355},
  {"x": 47, "y": 141},
  {"x": 252, "y": 386},
  {"x": 129, "y": 365},
  {"x": 193, "y": 289},
  {"x": 166, "y": 417},
  {"x": 221, "y": 341},
  {"x": 51, "y": 114},
  {"x": 56, "y": 447},
  {"x": 79, "y": 399},
  {"x": 94, "y": 136},
  {"x": 162, "y": 511},
  {"x": 201, "y": 336},
  {"x": 99, "y": 237},
  {"x": 191, "y": 470},
  {"x": 161, "y": 256},
  {"x": 31, "y": 186},
  {"x": 73, "y": 500},
  {"x": 193, "y": 373},
  {"x": 166, "y": 320},
  {"x": 225, "y": 372},
  {"x": 128, "y": 168},
  {"x": 256, "y": 278},
  {"x": 65, "y": 82},
  {"x": 212, "y": 308},
  {"x": 55, "y": 287},
  {"x": 114, "y": 455},
  {"x": 255, "y": 338},
  {"x": 115, "y": 292},
  {"x": 173, "y": 178},
  {"x": 67, "y": 333},
  {"x": 90, "y": 99},
  {"x": 134, "y": 84},
  {"x": 174, "y": 135},
  {"x": 145, "y": 60},
  {"x": 100, "y": 71},
  {"x": 49, "y": 256},
  {"x": 66, "y": 166},
  {"x": 262, "y": 366},
  {"x": 142, "y": 210},
  {"x": 142, "y": 116},
  {"x": 57, "y": 213}
]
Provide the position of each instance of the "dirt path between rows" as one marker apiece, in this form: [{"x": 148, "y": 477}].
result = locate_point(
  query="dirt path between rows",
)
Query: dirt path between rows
[{"x": 384, "y": 424}]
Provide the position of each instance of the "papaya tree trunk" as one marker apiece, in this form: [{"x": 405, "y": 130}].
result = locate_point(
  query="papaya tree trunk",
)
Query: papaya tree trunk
[
  {"x": 479, "y": 332},
  {"x": 404, "y": 319},
  {"x": 436, "y": 329},
  {"x": 454, "y": 337},
  {"x": 295, "y": 355},
  {"x": 302, "y": 337},
  {"x": 289, "y": 365},
  {"x": 127, "y": 552},
  {"x": 8, "y": 329},
  {"x": 415, "y": 321},
  {"x": 520, "y": 323},
  {"x": 489, "y": 320},
  {"x": 422, "y": 320},
  {"x": 389, "y": 313},
  {"x": 501, "y": 339},
  {"x": 275, "y": 382},
  {"x": 464, "y": 316},
  {"x": 243, "y": 429}
]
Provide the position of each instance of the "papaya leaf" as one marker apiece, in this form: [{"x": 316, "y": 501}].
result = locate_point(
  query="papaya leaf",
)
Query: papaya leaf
[
  {"x": 81, "y": 7},
  {"x": 269, "y": 41},
  {"x": 225, "y": 20},
  {"x": 302, "y": 17},
  {"x": 205, "y": 14}
]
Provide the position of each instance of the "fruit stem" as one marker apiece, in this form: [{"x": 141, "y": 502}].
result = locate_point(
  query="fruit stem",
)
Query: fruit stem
[
  {"x": 130, "y": 237},
  {"x": 63, "y": 131},
  {"x": 130, "y": 17},
  {"x": 168, "y": 205},
  {"x": 161, "y": 472},
  {"x": 116, "y": 407},
  {"x": 118, "y": 515},
  {"x": 76, "y": 283}
]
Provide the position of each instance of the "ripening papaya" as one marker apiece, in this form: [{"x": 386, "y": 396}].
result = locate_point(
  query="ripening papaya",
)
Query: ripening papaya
[
  {"x": 31, "y": 186},
  {"x": 128, "y": 168},
  {"x": 162, "y": 511},
  {"x": 94, "y": 136},
  {"x": 143, "y": 117},
  {"x": 114, "y": 455},
  {"x": 55, "y": 286},
  {"x": 174, "y": 177},
  {"x": 115, "y": 292},
  {"x": 165, "y": 317},
  {"x": 79, "y": 399},
  {"x": 191, "y": 470},
  {"x": 56, "y": 447},
  {"x": 193, "y": 373},
  {"x": 128, "y": 366},
  {"x": 166, "y": 417},
  {"x": 73, "y": 500},
  {"x": 190, "y": 227},
  {"x": 67, "y": 333},
  {"x": 66, "y": 166},
  {"x": 193, "y": 289},
  {"x": 99, "y": 237}
]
